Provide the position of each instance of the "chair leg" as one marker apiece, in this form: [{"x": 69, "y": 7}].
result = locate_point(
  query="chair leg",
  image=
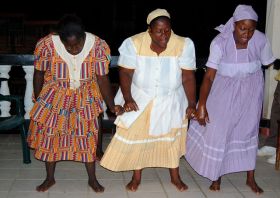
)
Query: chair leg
[
  {"x": 277, "y": 163},
  {"x": 25, "y": 148}
]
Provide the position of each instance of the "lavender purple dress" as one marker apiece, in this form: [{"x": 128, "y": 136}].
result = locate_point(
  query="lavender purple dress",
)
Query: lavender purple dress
[{"x": 229, "y": 142}]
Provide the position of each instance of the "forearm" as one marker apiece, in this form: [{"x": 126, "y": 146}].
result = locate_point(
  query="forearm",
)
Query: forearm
[
  {"x": 189, "y": 85},
  {"x": 125, "y": 83},
  {"x": 207, "y": 82},
  {"x": 106, "y": 91},
  {"x": 205, "y": 89},
  {"x": 38, "y": 81}
]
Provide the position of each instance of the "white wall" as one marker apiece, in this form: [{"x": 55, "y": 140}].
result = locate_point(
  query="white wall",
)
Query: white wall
[{"x": 272, "y": 32}]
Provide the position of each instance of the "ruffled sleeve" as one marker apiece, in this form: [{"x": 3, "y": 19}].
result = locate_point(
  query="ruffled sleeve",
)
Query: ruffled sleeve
[
  {"x": 42, "y": 54},
  {"x": 127, "y": 56},
  {"x": 102, "y": 58},
  {"x": 215, "y": 56},
  {"x": 187, "y": 59},
  {"x": 266, "y": 53}
]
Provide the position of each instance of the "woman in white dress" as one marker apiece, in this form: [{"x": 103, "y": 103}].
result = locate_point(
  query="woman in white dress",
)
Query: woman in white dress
[{"x": 158, "y": 94}]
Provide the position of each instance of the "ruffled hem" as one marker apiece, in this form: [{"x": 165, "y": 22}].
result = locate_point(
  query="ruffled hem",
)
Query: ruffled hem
[
  {"x": 53, "y": 145},
  {"x": 120, "y": 156},
  {"x": 64, "y": 109},
  {"x": 135, "y": 148},
  {"x": 65, "y": 156}
]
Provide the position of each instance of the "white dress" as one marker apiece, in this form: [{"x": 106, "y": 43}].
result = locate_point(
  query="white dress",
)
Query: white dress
[{"x": 157, "y": 89}]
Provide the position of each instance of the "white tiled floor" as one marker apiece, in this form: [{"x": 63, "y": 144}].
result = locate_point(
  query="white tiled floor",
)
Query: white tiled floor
[{"x": 18, "y": 180}]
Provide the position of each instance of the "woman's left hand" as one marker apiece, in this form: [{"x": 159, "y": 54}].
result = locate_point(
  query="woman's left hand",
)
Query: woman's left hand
[
  {"x": 191, "y": 112},
  {"x": 118, "y": 110}
]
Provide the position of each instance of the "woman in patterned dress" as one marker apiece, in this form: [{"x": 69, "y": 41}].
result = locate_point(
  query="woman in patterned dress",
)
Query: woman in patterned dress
[
  {"x": 224, "y": 139},
  {"x": 158, "y": 91},
  {"x": 70, "y": 83}
]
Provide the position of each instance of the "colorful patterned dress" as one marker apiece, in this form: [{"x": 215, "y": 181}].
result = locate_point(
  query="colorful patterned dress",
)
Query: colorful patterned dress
[
  {"x": 64, "y": 122},
  {"x": 154, "y": 135}
]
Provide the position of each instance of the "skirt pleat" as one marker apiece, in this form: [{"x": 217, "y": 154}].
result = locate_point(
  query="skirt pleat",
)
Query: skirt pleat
[
  {"x": 134, "y": 148},
  {"x": 229, "y": 142},
  {"x": 64, "y": 123}
]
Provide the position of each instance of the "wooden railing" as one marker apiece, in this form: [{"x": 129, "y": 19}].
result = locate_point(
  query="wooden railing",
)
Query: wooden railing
[
  {"x": 25, "y": 61},
  {"x": 7, "y": 61}
]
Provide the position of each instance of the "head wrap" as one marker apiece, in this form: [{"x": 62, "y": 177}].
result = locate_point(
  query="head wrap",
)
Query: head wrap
[
  {"x": 157, "y": 13},
  {"x": 241, "y": 12}
]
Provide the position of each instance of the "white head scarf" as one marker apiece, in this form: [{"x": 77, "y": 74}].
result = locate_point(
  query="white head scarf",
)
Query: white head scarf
[{"x": 157, "y": 13}]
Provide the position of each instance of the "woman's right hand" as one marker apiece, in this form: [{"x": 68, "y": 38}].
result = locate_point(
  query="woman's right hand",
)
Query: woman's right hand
[
  {"x": 202, "y": 115},
  {"x": 130, "y": 105}
]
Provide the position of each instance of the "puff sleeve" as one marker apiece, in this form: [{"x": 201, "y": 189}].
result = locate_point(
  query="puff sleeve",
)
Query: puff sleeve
[
  {"x": 42, "y": 55},
  {"x": 127, "y": 56},
  {"x": 102, "y": 58},
  {"x": 187, "y": 59}
]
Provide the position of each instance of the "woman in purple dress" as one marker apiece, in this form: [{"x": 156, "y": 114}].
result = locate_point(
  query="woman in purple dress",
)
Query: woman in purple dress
[{"x": 224, "y": 138}]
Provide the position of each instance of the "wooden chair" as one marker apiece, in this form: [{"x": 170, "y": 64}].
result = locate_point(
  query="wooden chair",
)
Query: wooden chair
[
  {"x": 277, "y": 162},
  {"x": 16, "y": 121}
]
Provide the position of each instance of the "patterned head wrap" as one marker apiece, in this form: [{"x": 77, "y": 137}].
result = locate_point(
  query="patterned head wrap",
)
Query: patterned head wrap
[
  {"x": 156, "y": 13},
  {"x": 241, "y": 12}
]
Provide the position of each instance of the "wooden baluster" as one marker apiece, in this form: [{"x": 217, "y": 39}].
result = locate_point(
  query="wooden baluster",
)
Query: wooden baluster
[
  {"x": 28, "y": 104},
  {"x": 5, "y": 106}
]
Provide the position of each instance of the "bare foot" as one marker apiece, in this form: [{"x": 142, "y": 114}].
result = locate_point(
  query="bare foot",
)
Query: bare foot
[
  {"x": 45, "y": 185},
  {"x": 96, "y": 186},
  {"x": 215, "y": 186},
  {"x": 254, "y": 187},
  {"x": 179, "y": 184},
  {"x": 133, "y": 185}
]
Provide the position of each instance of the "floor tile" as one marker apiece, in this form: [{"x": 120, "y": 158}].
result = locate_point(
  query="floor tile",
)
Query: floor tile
[
  {"x": 16, "y": 194},
  {"x": 3, "y": 194},
  {"x": 18, "y": 180},
  {"x": 5, "y": 185},
  {"x": 185, "y": 194},
  {"x": 147, "y": 194}
]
